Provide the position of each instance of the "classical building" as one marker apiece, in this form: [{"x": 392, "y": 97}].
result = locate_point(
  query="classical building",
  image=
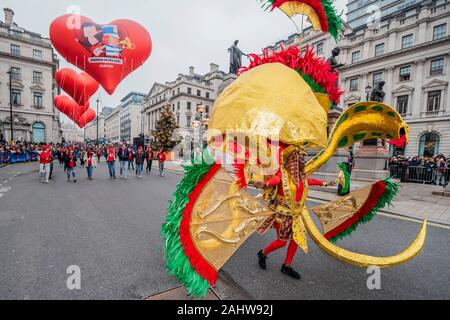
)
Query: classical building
[
  {"x": 31, "y": 62},
  {"x": 112, "y": 126},
  {"x": 71, "y": 133},
  {"x": 183, "y": 96},
  {"x": 411, "y": 53},
  {"x": 131, "y": 108},
  {"x": 91, "y": 128}
]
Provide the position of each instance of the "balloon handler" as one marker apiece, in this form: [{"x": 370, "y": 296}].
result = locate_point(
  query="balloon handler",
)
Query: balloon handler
[{"x": 265, "y": 120}]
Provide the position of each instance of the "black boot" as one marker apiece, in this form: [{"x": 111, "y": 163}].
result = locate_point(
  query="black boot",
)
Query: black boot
[
  {"x": 262, "y": 260},
  {"x": 290, "y": 272}
]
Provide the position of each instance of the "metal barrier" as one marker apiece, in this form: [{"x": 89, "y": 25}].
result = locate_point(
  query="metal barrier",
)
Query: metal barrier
[
  {"x": 420, "y": 174},
  {"x": 8, "y": 157}
]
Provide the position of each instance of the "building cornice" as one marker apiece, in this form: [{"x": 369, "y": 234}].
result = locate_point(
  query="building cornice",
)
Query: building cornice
[
  {"x": 29, "y": 60},
  {"x": 40, "y": 43}
]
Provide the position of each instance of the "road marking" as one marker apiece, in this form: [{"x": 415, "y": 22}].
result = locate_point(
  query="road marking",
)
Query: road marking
[
  {"x": 4, "y": 189},
  {"x": 1, "y": 195},
  {"x": 395, "y": 216}
]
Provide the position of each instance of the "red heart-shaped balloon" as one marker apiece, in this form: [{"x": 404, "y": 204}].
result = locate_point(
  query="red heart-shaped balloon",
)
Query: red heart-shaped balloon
[
  {"x": 80, "y": 86},
  {"x": 69, "y": 107},
  {"x": 108, "y": 52},
  {"x": 86, "y": 118}
]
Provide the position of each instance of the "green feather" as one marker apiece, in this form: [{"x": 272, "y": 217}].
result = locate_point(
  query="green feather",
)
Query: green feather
[
  {"x": 346, "y": 186},
  {"x": 177, "y": 263},
  {"x": 386, "y": 199},
  {"x": 335, "y": 22}
]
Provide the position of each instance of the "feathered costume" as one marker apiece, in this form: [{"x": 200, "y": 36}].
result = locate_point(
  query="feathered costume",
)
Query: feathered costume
[{"x": 265, "y": 119}]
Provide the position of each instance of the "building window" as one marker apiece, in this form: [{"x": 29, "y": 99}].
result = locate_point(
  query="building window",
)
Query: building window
[
  {"x": 402, "y": 104},
  {"x": 178, "y": 120},
  {"x": 439, "y": 31},
  {"x": 173, "y": 107},
  {"x": 37, "y": 77},
  {"x": 377, "y": 77},
  {"x": 37, "y": 99},
  {"x": 434, "y": 101},
  {"x": 429, "y": 145},
  {"x": 407, "y": 41},
  {"x": 356, "y": 56},
  {"x": 405, "y": 73},
  {"x": 178, "y": 90},
  {"x": 15, "y": 50},
  {"x": 437, "y": 67},
  {"x": 15, "y": 74},
  {"x": 207, "y": 109},
  {"x": 188, "y": 121},
  {"x": 38, "y": 130},
  {"x": 199, "y": 93},
  {"x": 354, "y": 84},
  {"x": 189, "y": 90},
  {"x": 37, "y": 54},
  {"x": 207, "y": 95},
  {"x": 319, "y": 48},
  {"x": 16, "y": 97},
  {"x": 173, "y": 93},
  {"x": 178, "y": 106},
  {"x": 379, "y": 49},
  {"x": 188, "y": 106}
]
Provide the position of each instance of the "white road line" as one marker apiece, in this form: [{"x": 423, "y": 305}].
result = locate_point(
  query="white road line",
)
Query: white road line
[
  {"x": 6, "y": 181},
  {"x": 1, "y": 195}
]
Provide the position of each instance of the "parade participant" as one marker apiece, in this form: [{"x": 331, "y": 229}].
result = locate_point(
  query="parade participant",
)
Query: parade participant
[
  {"x": 45, "y": 159},
  {"x": 80, "y": 154},
  {"x": 123, "y": 155},
  {"x": 99, "y": 153},
  {"x": 149, "y": 159},
  {"x": 91, "y": 162},
  {"x": 111, "y": 161},
  {"x": 274, "y": 111},
  {"x": 131, "y": 155},
  {"x": 140, "y": 158},
  {"x": 71, "y": 164},
  {"x": 161, "y": 159}
]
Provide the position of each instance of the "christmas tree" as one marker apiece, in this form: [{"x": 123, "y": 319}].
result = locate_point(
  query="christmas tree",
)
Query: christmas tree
[{"x": 164, "y": 131}]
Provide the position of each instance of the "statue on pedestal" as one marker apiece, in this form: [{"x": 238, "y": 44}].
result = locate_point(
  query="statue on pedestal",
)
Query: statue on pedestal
[
  {"x": 235, "y": 57},
  {"x": 377, "y": 93},
  {"x": 335, "y": 65}
]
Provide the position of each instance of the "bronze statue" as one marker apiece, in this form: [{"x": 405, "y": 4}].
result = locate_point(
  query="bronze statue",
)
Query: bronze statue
[
  {"x": 332, "y": 61},
  {"x": 235, "y": 57},
  {"x": 377, "y": 93}
]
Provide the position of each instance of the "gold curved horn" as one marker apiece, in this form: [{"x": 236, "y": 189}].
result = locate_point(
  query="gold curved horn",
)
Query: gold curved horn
[{"x": 362, "y": 260}]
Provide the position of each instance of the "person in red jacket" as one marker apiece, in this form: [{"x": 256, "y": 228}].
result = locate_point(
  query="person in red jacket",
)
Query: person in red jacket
[
  {"x": 111, "y": 161},
  {"x": 161, "y": 159},
  {"x": 45, "y": 160}
]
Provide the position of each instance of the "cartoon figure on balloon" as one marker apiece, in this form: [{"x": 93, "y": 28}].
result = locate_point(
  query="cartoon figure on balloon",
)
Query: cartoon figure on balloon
[{"x": 104, "y": 41}]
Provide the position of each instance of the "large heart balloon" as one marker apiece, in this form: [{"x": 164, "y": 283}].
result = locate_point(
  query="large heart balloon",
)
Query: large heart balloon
[
  {"x": 80, "y": 86},
  {"x": 107, "y": 52},
  {"x": 69, "y": 107},
  {"x": 86, "y": 118}
]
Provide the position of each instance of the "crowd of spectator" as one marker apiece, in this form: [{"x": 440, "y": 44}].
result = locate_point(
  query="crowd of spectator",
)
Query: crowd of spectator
[
  {"x": 430, "y": 170},
  {"x": 20, "y": 152}
]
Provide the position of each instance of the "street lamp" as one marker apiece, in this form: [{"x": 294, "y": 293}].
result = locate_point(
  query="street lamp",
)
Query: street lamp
[
  {"x": 368, "y": 91},
  {"x": 98, "y": 100},
  {"x": 11, "y": 104}
]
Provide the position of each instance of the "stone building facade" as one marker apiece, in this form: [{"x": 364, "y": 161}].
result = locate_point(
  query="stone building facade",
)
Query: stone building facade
[
  {"x": 32, "y": 62},
  {"x": 183, "y": 96}
]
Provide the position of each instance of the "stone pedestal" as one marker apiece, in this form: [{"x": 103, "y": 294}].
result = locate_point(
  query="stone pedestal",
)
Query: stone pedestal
[{"x": 370, "y": 163}]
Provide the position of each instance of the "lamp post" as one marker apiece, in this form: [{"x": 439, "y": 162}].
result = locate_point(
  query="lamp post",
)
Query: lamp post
[
  {"x": 98, "y": 100},
  {"x": 368, "y": 90},
  {"x": 11, "y": 104},
  {"x": 203, "y": 121}
]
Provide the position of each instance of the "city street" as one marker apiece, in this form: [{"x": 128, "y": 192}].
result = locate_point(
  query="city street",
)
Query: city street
[{"x": 111, "y": 230}]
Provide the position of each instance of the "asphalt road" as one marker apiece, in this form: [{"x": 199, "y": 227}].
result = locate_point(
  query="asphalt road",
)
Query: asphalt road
[{"x": 110, "y": 229}]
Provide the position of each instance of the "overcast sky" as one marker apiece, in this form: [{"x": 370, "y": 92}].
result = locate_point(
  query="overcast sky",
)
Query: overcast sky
[{"x": 184, "y": 32}]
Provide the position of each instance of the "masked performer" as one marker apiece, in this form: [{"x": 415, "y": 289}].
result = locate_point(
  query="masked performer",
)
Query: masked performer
[{"x": 266, "y": 120}]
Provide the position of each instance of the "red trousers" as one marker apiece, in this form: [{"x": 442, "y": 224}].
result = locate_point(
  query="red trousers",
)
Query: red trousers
[{"x": 277, "y": 244}]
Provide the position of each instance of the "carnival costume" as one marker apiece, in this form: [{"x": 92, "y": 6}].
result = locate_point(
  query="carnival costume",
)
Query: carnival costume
[{"x": 266, "y": 119}]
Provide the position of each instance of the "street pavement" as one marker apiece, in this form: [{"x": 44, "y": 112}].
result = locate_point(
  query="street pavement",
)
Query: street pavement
[{"x": 111, "y": 230}]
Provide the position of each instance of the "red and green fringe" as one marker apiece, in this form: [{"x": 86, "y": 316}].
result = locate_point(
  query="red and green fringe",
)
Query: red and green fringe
[
  {"x": 346, "y": 186},
  {"x": 182, "y": 258},
  {"x": 316, "y": 72},
  {"x": 329, "y": 19},
  {"x": 382, "y": 194}
]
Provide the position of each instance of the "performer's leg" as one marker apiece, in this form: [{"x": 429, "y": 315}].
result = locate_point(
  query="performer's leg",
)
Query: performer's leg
[
  {"x": 286, "y": 268},
  {"x": 275, "y": 245}
]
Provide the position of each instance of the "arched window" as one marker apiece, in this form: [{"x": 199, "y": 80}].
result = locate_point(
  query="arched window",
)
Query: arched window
[
  {"x": 429, "y": 144},
  {"x": 38, "y": 132}
]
